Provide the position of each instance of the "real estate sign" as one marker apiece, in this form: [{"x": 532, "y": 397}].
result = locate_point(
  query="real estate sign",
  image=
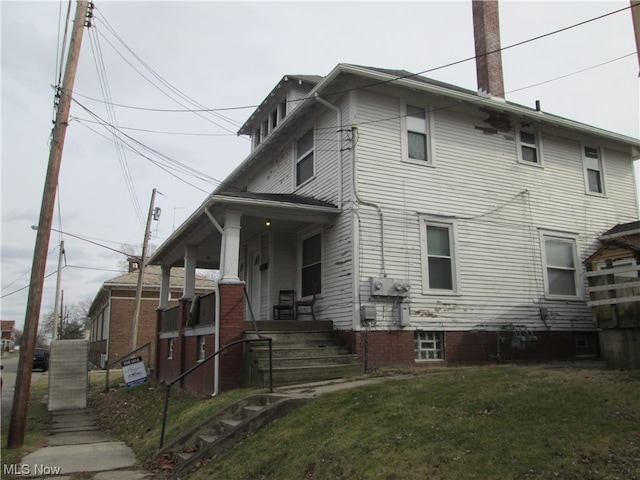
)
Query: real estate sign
[{"x": 134, "y": 372}]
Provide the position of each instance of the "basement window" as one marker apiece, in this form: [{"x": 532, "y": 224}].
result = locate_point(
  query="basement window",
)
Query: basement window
[
  {"x": 201, "y": 348},
  {"x": 169, "y": 348},
  {"x": 428, "y": 345}
]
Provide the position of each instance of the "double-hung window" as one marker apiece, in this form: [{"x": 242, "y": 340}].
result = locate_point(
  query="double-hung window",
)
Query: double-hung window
[
  {"x": 529, "y": 151},
  {"x": 416, "y": 133},
  {"x": 593, "y": 170},
  {"x": 304, "y": 158},
  {"x": 201, "y": 348},
  {"x": 439, "y": 259},
  {"x": 311, "y": 266},
  {"x": 560, "y": 260}
]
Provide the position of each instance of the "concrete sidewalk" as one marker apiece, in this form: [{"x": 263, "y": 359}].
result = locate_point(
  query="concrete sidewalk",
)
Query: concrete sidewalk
[{"x": 75, "y": 445}]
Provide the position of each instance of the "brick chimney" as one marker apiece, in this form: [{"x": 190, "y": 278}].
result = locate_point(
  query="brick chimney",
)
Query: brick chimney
[{"x": 486, "y": 31}]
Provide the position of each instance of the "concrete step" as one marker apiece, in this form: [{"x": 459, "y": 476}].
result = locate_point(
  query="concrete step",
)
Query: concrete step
[
  {"x": 205, "y": 440},
  {"x": 184, "y": 456},
  {"x": 295, "y": 375},
  {"x": 310, "y": 338},
  {"x": 317, "y": 359},
  {"x": 288, "y": 325},
  {"x": 229, "y": 423},
  {"x": 249, "y": 411},
  {"x": 280, "y": 351}
]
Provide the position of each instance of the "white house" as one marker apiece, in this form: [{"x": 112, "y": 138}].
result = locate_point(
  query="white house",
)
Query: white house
[{"x": 426, "y": 221}]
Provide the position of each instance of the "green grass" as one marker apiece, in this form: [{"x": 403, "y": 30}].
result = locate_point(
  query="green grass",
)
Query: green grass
[
  {"x": 135, "y": 415},
  {"x": 503, "y": 422},
  {"x": 35, "y": 431}
]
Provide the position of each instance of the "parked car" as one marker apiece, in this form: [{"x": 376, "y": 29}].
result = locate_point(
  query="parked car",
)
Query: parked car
[{"x": 41, "y": 359}]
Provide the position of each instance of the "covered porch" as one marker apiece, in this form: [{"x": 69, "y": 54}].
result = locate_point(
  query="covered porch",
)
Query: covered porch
[{"x": 264, "y": 243}]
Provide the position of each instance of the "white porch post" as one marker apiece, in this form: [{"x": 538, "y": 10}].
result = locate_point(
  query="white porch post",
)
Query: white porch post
[
  {"x": 165, "y": 287},
  {"x": 189, "y": 272},
  {"x": 230, "y": 249}
]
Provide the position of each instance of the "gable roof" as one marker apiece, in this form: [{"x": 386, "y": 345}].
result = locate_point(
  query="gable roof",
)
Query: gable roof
[
  {"x": 622, "y": 229},
  {"x": 153, "y": 277}
]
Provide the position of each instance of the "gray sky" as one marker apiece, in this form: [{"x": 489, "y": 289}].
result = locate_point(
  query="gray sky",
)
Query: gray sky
[{"x": 231, "y": 54}]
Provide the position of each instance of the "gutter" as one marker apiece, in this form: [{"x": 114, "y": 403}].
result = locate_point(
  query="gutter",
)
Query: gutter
[{"x": 216, "y": 347}]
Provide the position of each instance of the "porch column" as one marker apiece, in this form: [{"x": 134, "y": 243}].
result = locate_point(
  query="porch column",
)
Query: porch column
[
  {"x": 165, "y": 288},
  {"x": 189, "y": 272},
  {"x": 230, "y": 249}
]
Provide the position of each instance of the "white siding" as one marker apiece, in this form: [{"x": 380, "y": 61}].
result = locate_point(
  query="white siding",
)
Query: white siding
[{"x": 499, "y": 207}]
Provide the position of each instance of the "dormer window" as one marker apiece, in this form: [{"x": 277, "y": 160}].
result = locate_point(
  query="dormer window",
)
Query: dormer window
[{"x": 304, "y": 162}]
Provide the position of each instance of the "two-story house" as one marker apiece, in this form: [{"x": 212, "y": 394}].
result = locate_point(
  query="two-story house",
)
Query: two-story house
[{"x": 428, "y": 222}]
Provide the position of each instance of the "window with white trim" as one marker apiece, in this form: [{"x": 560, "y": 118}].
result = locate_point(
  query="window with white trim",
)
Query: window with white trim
[
  {"x": 304, "y": 158},
  {"x": 560, "y": 260},
  {"x": 529, "y": 150},
  {"x": 593, "y": 170},
  {"x": 439, "y": 257},
  {"x": 169, "y": 348},
  {"x": 428, "y": 345},
  {"x": 311, "y": 266}
]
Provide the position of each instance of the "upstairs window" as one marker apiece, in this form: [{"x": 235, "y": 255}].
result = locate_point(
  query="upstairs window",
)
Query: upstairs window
[
  {"x": 304, "y": 162},
  {"x": 593, "y": 171},
  {"x": 416, "y": 133},
  {"x": 528, "y": 147}
]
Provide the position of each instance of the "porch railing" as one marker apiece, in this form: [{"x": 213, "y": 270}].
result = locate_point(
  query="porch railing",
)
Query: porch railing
[
  {"x": 170, "y": 319},
  {"x": 198, "y": 365}
]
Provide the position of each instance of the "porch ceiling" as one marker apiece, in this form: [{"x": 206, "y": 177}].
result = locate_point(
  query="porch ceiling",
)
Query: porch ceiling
[{"x": 286, "y": 212}]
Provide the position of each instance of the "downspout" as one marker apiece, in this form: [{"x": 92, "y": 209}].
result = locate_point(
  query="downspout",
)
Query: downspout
[
  {"x": 339, "y": 135},
  {"x": 216, "y": 361}
]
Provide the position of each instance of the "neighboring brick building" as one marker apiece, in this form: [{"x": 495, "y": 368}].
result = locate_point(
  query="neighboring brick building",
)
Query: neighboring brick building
[
  {"x": 111, "y": 313},
  {"x": 8, "y": 334}
]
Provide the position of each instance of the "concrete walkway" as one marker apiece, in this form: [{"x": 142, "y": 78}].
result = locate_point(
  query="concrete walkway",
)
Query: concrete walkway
[{"x": 76, "y": 445}]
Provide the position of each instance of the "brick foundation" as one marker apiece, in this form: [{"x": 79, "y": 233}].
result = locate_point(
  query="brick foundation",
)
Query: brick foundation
[
  {"x": 381, "y": 349},
  {"x": 231, "y": 329}
]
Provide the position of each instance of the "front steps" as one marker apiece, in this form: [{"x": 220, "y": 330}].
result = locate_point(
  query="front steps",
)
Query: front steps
[
  {"x": 303, "y": 352},
  {"x": 225, "y": 428}
]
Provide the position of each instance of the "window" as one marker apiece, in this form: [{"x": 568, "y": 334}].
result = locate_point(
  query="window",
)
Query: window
[
  {"x": 529, "y": 150},
  {"x": 304, "y": 162},
  {"x": 416, "y": 133},
  {"x": 311, "y": 272},
  {"x": 201, "y": 348},
  {"x": 440, "y": 272},
  {"x": 593, "y": 170},
  {"x": 169, "y": 348},
  {"x": 428, "y": 345},
  {"x": 283, "y": 109},
  {"x": 274, "y": 119},
  {"x": 560, "y": 264}
]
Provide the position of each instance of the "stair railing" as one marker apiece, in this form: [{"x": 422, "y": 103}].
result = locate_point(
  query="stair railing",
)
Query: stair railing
[
  {"x": 199, "y": 364},
  {"x": 146, "y": 345}
]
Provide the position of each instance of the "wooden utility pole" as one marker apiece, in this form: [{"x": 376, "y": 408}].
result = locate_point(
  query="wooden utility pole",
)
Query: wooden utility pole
[
  {"x": 143, "y": 261},
  {"x": 20, "y": 407},
  {"x": 56, "y": 304}
]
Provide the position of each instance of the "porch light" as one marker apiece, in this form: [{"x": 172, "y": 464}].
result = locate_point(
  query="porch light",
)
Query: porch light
[{"x": 268, "y": 223}]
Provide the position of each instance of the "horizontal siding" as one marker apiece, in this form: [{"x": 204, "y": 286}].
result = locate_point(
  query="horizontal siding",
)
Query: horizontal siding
[{"x": 499, "y": 207}]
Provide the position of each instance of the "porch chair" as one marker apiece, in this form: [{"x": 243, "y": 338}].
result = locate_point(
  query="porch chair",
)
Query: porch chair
[
  {"x": 284, "y": 309},
  {"x": 307, "y": 306}
]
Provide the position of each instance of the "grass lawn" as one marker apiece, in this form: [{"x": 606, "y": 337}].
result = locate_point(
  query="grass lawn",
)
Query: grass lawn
[{"x": 501, "y": 422}]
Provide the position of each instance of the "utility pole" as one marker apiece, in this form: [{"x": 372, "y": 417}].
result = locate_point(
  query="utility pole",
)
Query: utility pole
[
  {"x": 56, "y": 305},
  {"x": 143, "y": 261},
  {"x": 18, "y": 424}
]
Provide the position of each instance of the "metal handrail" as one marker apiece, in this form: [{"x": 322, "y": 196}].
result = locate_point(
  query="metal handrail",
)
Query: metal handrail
[
  {"x": 109, "y": 365},
  {"x": 199, "y": 364}
]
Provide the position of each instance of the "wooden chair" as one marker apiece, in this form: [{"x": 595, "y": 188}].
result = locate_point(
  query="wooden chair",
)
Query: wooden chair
[
  {"x": 307, "y": 306},
  {"x": 284, "y": 309}
]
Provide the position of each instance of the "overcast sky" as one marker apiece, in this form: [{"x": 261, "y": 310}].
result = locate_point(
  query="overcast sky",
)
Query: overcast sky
[{"x": 223, "y": 55}]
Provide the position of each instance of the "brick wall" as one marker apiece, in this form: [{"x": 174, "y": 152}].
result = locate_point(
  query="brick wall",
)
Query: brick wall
[
  {"x": 231, "y": 329},
  {"x": 379, "y": 349}
]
